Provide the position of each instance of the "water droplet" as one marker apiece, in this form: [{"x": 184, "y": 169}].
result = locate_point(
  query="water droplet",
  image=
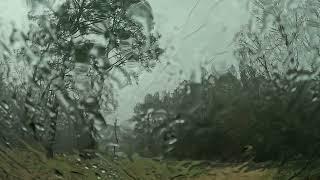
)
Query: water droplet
[
  {"x": 113, "y": 145},
  {"x": 180, "y": 121},
  {"x": 188, "y": 90},
  {"x": 150, "y": 110},
  {"x": 172, "y": 141},
  {"x": 58, "y": 173},
  {"x": 39, "y": 127},
  {"x": 52, "y": 114},
  {"x": 169, "y": 149},
  {"x": 6, "y": 106},
  {"x": 24, "y": 129},
  {"x": 98, "y": 176},
  {"x": 90, "y": 100}
]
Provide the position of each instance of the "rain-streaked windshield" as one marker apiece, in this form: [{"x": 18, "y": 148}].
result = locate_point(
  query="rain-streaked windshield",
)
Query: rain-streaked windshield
[{"x": 159, "y": 89}]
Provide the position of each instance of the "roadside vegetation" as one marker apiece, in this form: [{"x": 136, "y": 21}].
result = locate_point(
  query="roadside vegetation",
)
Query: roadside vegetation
[{"x": 257, "y": 120}]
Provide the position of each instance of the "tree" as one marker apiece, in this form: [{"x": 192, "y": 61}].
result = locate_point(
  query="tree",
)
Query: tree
[
  {"x": 281, "y": 40},
  {"x": 193, "y": 121},
  {"x": 75, "y": 53},
  {"x": 278, "y": 53}
]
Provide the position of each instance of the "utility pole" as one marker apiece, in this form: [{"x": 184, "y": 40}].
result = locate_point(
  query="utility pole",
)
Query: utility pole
[{"x": 115, "y": 136}]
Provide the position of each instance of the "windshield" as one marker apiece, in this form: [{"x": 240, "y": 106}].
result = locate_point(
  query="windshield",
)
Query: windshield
[{"x": 159, "y": 89}]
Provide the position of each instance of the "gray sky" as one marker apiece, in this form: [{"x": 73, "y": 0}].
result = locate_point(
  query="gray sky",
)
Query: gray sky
[{"x": 193, "y": 31}]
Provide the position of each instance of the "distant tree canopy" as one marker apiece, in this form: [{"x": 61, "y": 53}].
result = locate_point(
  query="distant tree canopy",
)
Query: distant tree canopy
[{"x": 74, "y": 54}]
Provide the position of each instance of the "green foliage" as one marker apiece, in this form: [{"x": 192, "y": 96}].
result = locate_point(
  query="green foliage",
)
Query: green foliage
[
  {"x": 75, "y": 55},
  {"x": 236, "y": 120},
  {"x": 269, "y": 112}
]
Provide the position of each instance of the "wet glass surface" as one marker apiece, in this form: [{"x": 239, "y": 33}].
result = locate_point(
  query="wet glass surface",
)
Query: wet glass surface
[{"x": 159, "y": 89}]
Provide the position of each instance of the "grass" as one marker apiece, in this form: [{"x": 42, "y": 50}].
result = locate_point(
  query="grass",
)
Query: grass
[
  {"x": 149, "y": 169},
  {"x": 32, "y": 164}
]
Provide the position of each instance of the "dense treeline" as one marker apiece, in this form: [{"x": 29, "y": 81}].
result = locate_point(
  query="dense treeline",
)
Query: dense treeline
[
  {"x": 235, "y": 119},
  {"x": 267, "y": 108}
]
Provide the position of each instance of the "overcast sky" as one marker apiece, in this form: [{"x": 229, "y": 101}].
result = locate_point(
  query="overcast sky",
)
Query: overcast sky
[{"x": 193, "y": 32}]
